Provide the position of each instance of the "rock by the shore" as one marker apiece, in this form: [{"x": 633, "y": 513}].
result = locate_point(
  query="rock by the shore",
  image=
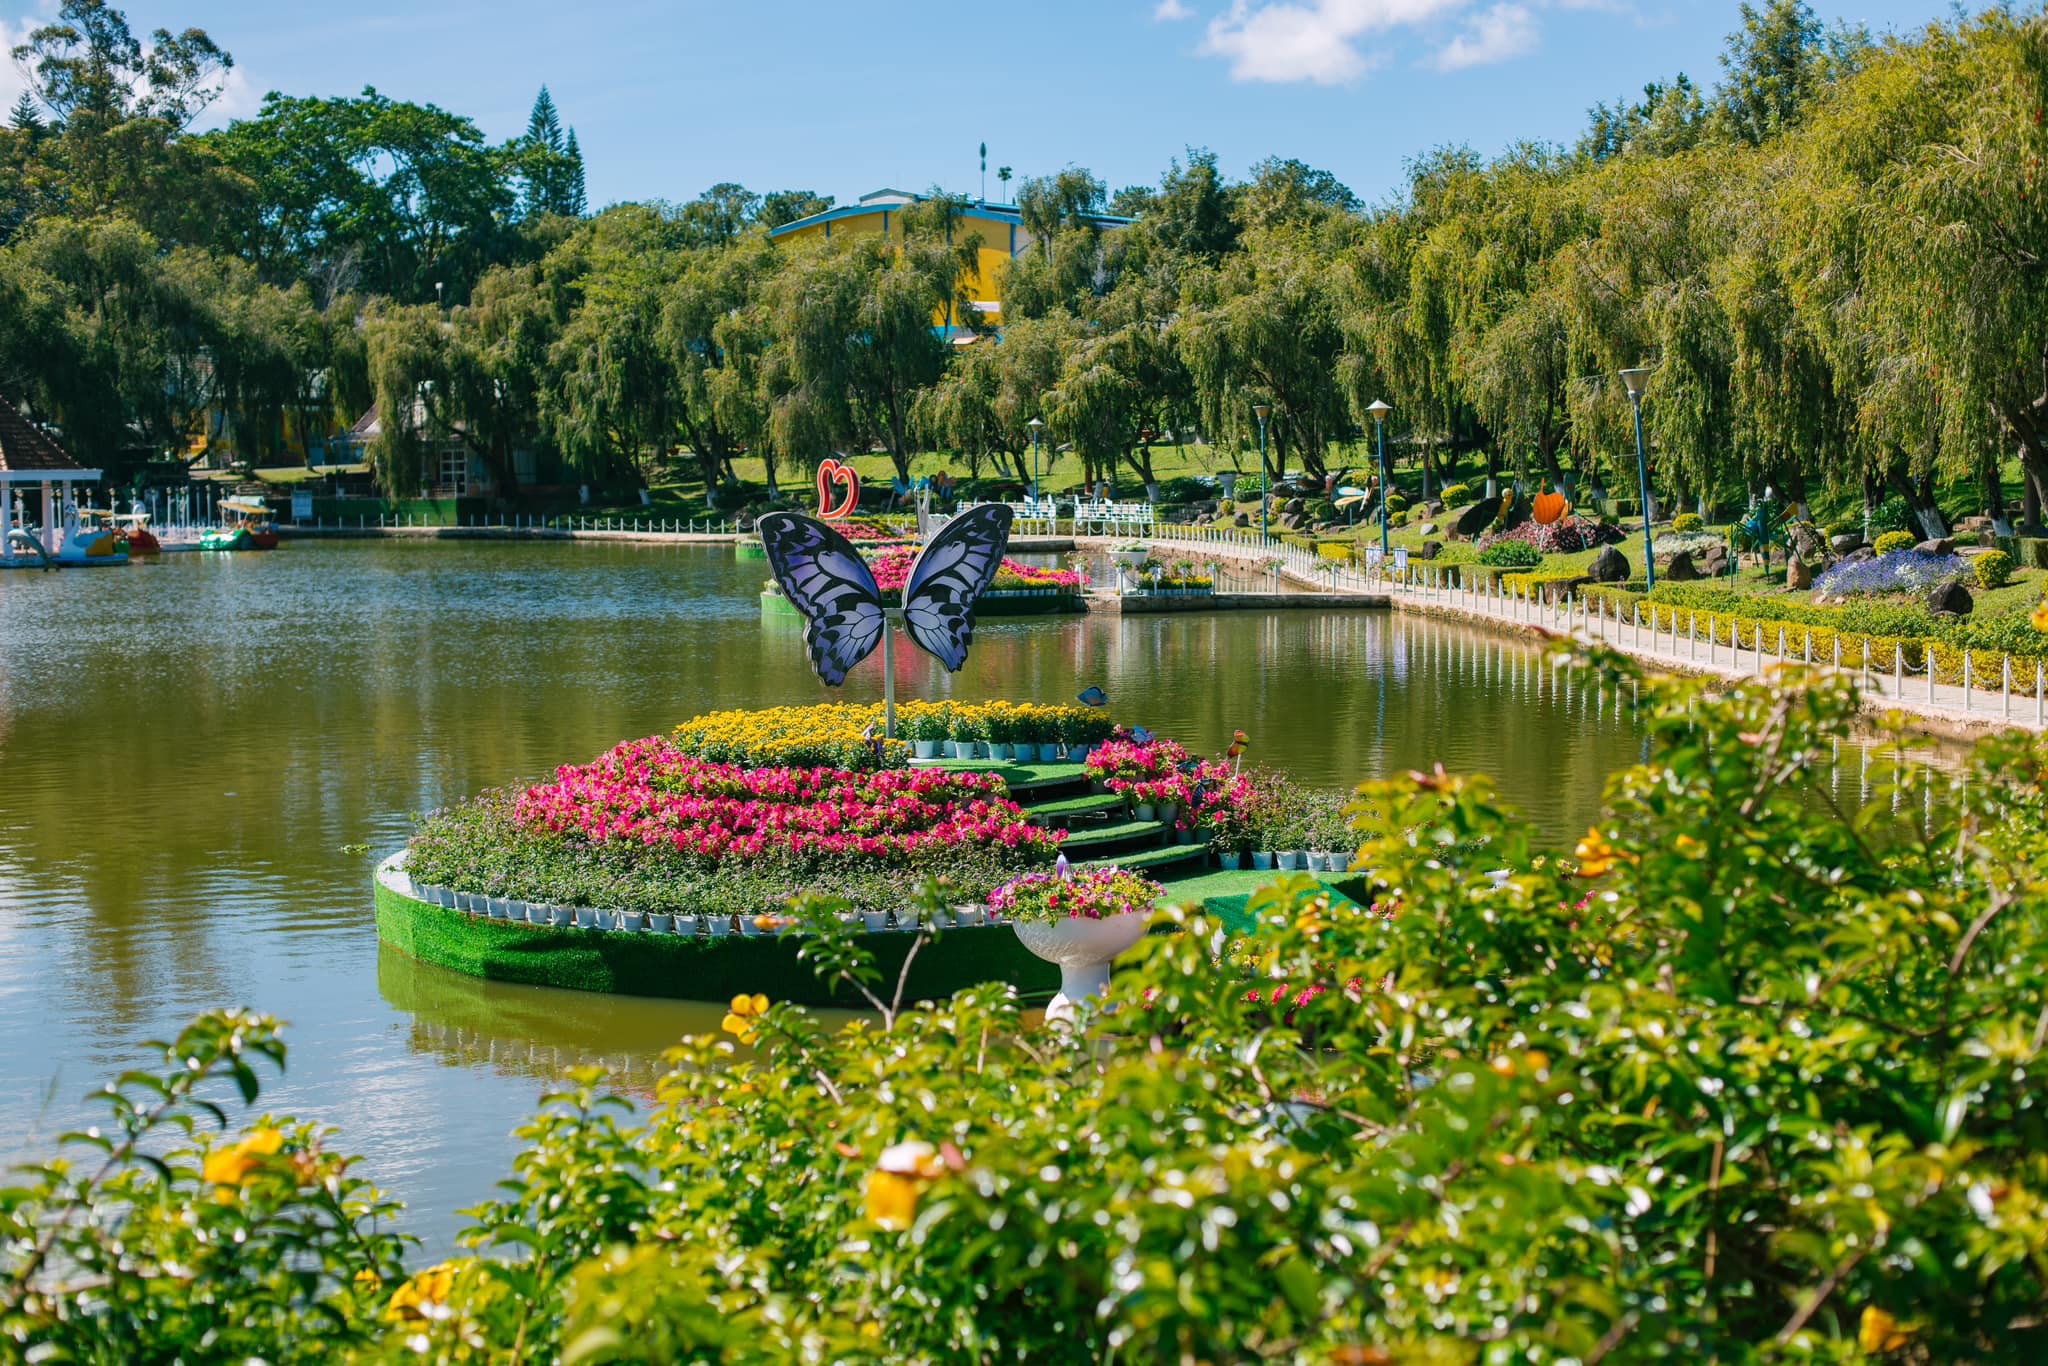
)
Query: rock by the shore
[
  {"x": 1951, "y": 599},
  {"x": 1609, "y": 566}
]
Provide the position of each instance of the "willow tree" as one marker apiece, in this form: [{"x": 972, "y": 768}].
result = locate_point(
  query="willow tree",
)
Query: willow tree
[
  {"x": 1641, "y": 294},
  {"x": 711, "y": 286},
  {"x": 611, "y": 399},
  {"x": 854, "y": 342},
  {"x": 984, "y": 403},
  {"x": 1266, "y": 327}
]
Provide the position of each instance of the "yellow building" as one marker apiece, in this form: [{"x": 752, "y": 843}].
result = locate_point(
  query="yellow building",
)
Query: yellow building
[{"x": 999, "y": 226}]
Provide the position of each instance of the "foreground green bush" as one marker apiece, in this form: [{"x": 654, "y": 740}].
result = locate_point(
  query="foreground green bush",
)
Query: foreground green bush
[
  {"x": 1894, "y": 540},
  {"x": 1748, "y": 1077},
  {"x": 1993, "y": 568},
  {"x": 1456, "y": 495},
  {"x": 1687, "y": 523}
]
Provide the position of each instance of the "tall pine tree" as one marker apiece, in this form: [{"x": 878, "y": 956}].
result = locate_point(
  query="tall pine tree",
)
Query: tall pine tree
[
  {"x": 575, "y": 201},
  {"x": 554, "y": 166},
  {"x": 25, "y": 117}
]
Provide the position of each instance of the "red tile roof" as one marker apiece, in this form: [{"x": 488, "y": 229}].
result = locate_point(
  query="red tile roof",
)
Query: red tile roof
[{"x": 25, "y": 449}]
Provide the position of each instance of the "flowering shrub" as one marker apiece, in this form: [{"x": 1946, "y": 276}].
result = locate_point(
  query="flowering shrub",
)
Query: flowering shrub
[
  {"x": 1892, "y": 541},
  {"x": 1566, "y": 536},
  {"x": 647, "y": 792},
  {"x": 892, "y": 572},
  {"x": 1090, "y": 894},
  {"x": 1901, "y": 571},
  {"x": 1993, "y": 569},
  {"x": 1121, "y": 762},
  {"x": 829, "y": 735},
  {"x": 1745, "y": 1082}
]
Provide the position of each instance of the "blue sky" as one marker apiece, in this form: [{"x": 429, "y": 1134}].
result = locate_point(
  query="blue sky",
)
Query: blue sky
[{"x": 668, "y": 98}]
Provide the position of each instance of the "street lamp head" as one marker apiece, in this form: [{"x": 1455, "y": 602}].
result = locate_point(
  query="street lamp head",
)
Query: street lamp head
[
  {"x": 1635, "y": 380},
  {"x": 1259, "y": 410},
  {"x": 1379, "y": 408},
  {"x": 1034, "y": 424}
]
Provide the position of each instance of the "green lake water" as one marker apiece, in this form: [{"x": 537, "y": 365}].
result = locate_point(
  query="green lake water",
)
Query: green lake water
[{"x": 195, "y": 753}]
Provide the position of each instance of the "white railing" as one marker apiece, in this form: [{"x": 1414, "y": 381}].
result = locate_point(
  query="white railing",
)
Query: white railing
[{"x": 1730, "y": 649}]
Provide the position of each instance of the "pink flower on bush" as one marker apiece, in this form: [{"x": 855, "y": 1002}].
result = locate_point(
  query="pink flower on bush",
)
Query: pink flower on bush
[{"x": 648, "y": 792}]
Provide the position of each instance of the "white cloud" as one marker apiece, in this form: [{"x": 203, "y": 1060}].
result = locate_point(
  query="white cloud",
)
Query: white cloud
[
  {"x": 1170, "y": 10},
  {"x": 13, "y": 32},
  {"x": 1330, "y": 42},
  {"x": 1315, "y": 40},
  {"x": 1502, "y": 33}
]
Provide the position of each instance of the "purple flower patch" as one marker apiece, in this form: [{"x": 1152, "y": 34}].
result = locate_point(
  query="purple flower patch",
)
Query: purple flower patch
[{"x": 1902, "y": 571}]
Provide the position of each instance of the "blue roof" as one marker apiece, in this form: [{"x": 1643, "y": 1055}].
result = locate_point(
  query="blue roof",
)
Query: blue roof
[{"x": 1001, "y": 213}]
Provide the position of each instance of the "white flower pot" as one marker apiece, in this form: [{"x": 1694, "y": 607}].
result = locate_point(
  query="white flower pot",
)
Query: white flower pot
[
  {"x": 1231, "y": 862},
  {"x": 1000, "y": 753},
  {"x": 1083, "y": 951},
  {"x": 718, "y": 926},
  {"x": 1147, "y": 812},
  {"x": 1077, "y": 754},
  {"x": 658, "y": 923},
  {"x": 497, "y": 908},
  {"x": 1049, "y": 754},
  {"x": 686, "y": 925},
  {"x": 927, "y": 749},
  {"x": 959, "y": 749},
  {"x": 748, "y": 929},
  {"x": 874, "y": 921},
  {"x": 586, "y": 917},
  {"x": 971, "y": 915},
  {"x": 907, "y": 920},
  {"x": 1167, "y": 811},
  {"x": 536, "y": 914},
  {"x": 562, "y": 917},
  {"x": 1262, "y": 860},
  {"x": 1293, "y": 860}
]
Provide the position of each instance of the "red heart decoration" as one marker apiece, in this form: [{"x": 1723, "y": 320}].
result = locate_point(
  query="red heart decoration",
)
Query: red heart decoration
[{"x": 830, "y": 473}]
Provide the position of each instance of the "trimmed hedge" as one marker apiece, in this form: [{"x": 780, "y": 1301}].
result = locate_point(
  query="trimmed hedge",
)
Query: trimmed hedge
[{"x": 1542, "y": 583}]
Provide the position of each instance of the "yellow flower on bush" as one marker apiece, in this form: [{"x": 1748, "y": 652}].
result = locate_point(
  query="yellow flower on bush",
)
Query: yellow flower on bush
[
  {"x": 229, "y": 1167},
  {"x": 898, "y": 1181},
  {"x": 740, "y": 1020},
  {"x": 423, "y": 1297},
  {"x": 1880, "y": 1332},
  {"x": 2039, "y": 616},
  {"x": 1596, "y": 856}
]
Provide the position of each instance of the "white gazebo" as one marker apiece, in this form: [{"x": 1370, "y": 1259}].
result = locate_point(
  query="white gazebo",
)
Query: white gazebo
[{"x": 30, "y": 459}]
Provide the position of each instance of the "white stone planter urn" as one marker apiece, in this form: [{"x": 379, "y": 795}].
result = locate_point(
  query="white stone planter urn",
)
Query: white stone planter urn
[{"x": 1083, "y": 950}]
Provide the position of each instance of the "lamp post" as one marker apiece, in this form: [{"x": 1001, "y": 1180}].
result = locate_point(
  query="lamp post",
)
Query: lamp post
[
  {"x": 1259, "y": 410},
  {"x": 1635, "y": 380},
  {"x": 1379, "y": 408},
  {"x": 1036, "y": 426}
]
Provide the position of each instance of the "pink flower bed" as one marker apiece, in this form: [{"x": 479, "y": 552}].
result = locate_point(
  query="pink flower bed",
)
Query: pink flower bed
[
  {"x": 892, "y": 571},
  {"x": 646, "y": 792}
]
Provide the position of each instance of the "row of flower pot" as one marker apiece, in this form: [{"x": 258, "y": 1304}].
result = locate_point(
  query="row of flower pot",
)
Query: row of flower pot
[
  {"x": 515, "y": 911},
  {"x": 1290, "y": 860},
  {"x": 983, "y": 749}
]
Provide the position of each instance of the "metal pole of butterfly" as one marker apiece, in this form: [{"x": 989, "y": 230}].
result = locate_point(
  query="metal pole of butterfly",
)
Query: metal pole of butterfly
[{"x": 830, "y": 584}]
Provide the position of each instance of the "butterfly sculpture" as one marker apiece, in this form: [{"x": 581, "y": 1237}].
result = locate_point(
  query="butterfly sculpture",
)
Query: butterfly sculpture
[
  {"x": 844, "y": 619},
  {"x": 1095, "y": 697}
]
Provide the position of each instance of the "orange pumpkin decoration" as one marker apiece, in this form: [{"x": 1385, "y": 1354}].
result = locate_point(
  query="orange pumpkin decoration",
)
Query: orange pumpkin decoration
[{"x": 1549, "y": 507}]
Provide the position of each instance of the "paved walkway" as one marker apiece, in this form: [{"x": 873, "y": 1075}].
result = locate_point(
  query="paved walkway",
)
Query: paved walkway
[{"x": 1945, "y": 708}]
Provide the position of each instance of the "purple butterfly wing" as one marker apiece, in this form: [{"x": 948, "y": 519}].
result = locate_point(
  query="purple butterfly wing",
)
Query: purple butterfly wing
[
  {"x": 821, "y": 572},
  {"x": 954, "y": 569}
]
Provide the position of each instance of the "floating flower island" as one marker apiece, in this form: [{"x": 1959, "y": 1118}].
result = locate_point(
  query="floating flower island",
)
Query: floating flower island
[
  {"x": 1018, "y": 590},
  {"x": 667, "y": 866}
]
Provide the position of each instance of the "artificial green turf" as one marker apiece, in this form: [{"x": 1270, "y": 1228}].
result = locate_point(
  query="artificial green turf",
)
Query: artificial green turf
[
  {"x": 694, "y": 968},
  {"x": 1093, "y": 836},
  {"x": 1075, "y": 806}
]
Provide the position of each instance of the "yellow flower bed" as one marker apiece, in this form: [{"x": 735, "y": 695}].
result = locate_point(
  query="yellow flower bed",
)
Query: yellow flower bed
[{"x": 830, "y": 735}]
